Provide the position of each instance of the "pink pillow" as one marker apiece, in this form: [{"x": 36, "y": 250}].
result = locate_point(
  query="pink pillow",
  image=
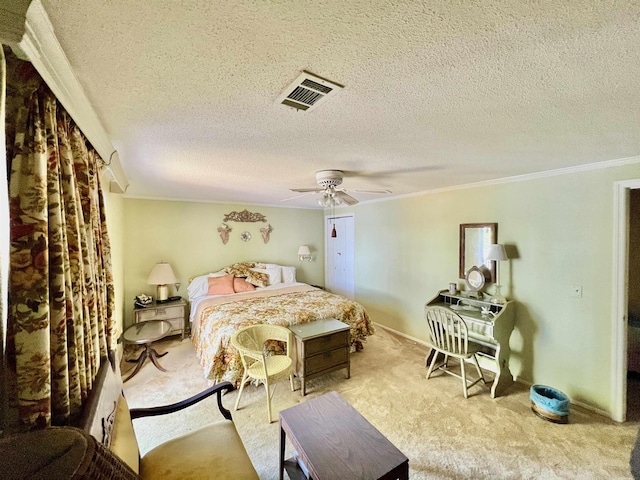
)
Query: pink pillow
[
  {"x": 220, "y": 285},
  {"x": 241, "y": 285}
]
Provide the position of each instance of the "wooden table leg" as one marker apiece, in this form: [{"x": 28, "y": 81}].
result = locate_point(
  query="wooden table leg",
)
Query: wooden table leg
[
  {"x": 503, "y": 378},
  {"x": 283, "y": 436},
  {"x": 152, "y": 355}
]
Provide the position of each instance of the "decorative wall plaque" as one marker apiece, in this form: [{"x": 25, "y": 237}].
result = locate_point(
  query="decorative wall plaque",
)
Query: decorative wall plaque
[
  {"x": 266, "y": 233},
  {"x": 245, "y": 236},
  {"x": 244, "y": 216},
  {"x": 224, "y": 231}
]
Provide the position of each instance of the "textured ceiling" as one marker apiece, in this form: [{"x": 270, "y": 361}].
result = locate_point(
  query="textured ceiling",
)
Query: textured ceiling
[{"x": 437, "y": 93}]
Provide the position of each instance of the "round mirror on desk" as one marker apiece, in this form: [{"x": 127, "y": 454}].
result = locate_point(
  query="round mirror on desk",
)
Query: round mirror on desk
[{"x": 475, "y": 280}]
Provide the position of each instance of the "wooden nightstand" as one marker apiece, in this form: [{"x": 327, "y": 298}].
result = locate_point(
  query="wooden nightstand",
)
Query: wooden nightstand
[
  {"x": 173, "y": 312},
  {"x": 321, "y": 347}
]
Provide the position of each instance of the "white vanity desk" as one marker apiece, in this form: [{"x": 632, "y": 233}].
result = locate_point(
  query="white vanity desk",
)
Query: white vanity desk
[{"x": 491, "y": 330}]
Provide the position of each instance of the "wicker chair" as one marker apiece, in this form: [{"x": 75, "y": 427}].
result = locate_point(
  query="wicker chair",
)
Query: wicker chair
[
  {"x": 449, "y": 336},
  {"x": 60, "y": 452},
  {"x": 250, "y": 342}
]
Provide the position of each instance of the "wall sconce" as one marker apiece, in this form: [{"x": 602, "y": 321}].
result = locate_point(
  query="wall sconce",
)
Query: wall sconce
[
  {"x": 304, "y": 253},
  {"x": 162, "y": 275}
]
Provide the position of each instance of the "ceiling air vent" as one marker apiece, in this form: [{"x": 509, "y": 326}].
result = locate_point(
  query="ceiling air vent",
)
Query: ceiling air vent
[{"x": 307, "y": 92}]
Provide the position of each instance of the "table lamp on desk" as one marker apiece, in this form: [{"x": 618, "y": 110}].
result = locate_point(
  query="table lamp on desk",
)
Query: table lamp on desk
[
  {"x": 162, "y": 275},
  {"x": 497, "y": 253}
]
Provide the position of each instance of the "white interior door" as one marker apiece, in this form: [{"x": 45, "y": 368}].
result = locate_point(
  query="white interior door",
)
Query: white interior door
[
  {"x": 340, "y": 265},
  {"x": 622, "y": 191}
]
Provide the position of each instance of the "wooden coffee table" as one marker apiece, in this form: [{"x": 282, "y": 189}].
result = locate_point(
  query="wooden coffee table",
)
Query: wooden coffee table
[{"x": 332, "y": 441}]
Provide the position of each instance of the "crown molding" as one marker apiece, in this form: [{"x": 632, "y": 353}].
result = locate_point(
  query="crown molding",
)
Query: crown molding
[
  {"x": 40, "y": 46},
  {"x": 620, "y": 162}
]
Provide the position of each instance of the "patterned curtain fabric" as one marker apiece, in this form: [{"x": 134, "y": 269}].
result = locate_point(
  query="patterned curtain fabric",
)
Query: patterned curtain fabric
[{"x": 60, "y": 317}]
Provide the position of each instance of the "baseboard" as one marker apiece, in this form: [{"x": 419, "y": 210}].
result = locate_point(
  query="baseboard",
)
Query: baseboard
[
  {"x": 528, "y": 384},
  {"x": 401, "y": 334}
]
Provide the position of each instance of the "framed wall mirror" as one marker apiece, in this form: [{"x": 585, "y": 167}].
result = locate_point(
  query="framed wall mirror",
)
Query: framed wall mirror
[{"x": 475, "y": 238}]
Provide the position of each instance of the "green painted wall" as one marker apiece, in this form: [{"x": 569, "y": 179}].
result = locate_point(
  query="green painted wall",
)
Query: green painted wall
[
  {"x": 561, "y": 230},
  {"x": 185, "y": 235}
]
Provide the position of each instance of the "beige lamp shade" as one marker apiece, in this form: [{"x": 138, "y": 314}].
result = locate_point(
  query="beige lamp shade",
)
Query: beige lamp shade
[
  {"x": 304, "y": 253},
  {"x": 497, "y": 252},
  {"x": 161, "y": 275}
]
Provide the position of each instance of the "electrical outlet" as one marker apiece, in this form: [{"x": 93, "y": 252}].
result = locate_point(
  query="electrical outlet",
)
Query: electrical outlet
[{"x": 576, "y": 291}]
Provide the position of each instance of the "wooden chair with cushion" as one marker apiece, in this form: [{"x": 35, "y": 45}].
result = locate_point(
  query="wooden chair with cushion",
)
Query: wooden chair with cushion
[
  {"x": 212, "y": 451},
  {"x": 250, "y": 342},
  {"x": 449, "y": 336}
]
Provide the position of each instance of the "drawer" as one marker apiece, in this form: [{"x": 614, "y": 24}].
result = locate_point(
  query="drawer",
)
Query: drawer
[
  {"x": 327, "y": 342},
  {"x": 176, "y": 323},
  {"x": 160, "y": 313},
  {"x": 325, "y": 360},
  {"x": 484, "y": 329}
]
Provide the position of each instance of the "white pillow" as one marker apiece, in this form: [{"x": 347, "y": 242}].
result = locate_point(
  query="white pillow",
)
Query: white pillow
[
  {"x": 200, "y": 285},
  {"x": 288, "y": 274},
  {"x": 275, "y": 274}
]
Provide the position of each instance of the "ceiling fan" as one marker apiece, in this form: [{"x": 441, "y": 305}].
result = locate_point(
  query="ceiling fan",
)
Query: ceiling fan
[{"x": 327, "y": 181}]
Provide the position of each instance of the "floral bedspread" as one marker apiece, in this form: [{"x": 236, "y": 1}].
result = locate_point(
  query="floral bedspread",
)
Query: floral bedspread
[{"x": 290, "y": 306}]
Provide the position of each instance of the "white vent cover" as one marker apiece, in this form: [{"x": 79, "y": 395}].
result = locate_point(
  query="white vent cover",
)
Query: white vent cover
[{"x": 307, "y": 92}]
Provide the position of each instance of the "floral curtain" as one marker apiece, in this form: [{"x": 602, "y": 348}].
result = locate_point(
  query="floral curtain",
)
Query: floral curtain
[{"x": 61, "y": 298}]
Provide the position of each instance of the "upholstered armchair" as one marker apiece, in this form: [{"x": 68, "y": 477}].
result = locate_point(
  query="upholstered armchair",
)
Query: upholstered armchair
[{"x": 105, "y": 445}]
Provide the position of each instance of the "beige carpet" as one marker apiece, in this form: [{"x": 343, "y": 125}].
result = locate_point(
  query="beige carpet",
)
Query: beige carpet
[{"x": 443, "y": 435}]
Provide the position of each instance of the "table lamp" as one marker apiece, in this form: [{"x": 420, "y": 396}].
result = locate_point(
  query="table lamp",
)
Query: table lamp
[
  {"x": 497, "y": 253},
  {"x": 162, "y": 275}
]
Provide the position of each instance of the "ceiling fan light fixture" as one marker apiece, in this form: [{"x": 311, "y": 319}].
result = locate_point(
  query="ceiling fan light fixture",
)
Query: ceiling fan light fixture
[{"x": 328, "y": 181}]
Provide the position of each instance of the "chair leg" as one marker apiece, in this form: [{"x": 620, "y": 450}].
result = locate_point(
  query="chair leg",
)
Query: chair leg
[
  {"x": 244, "y": 379},
  {"x": 433, "y": 362},
  {"x": 291, "y": 381},
  {"x": 464, "y": 379},
  {"x": 269, "y": 394},
  {"x": 475, "y": 360}
]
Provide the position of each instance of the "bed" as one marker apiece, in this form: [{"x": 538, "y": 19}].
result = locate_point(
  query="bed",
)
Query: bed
[{"x": 216, "y": 313}]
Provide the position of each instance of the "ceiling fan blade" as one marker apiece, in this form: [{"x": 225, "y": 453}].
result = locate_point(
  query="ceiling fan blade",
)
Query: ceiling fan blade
[
  {"x": 298, "y": 196},
  {"x": 346, "y": 198},
  {"x": 374, "y": 191},
  {"x": 315, "y": 189}
]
